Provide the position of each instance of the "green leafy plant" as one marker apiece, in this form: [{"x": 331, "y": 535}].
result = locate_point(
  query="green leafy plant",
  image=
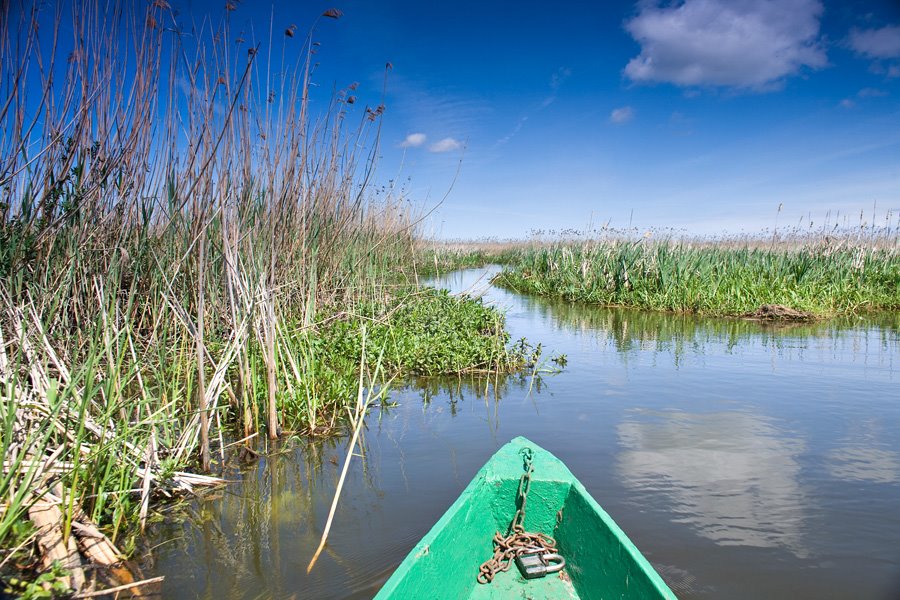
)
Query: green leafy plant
[{"x": 52, "y": 583}]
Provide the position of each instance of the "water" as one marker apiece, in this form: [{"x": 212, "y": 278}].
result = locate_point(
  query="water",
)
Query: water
[{"x": 744, "y": 460}]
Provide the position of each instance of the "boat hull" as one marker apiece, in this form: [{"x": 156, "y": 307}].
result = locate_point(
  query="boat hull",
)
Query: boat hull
[{"x": 601, "y": 562}]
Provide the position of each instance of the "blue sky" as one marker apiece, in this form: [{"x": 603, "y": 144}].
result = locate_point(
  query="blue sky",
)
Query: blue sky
[{"x": 698, "y": 114}]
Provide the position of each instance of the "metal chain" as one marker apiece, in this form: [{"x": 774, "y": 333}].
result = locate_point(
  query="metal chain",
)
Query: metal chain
[
  {"x": 518, "y": 522},
  {"x": 517, "y": 541}
]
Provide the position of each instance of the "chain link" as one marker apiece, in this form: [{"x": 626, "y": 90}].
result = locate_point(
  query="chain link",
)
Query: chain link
[{"x": 517, "y": 541}]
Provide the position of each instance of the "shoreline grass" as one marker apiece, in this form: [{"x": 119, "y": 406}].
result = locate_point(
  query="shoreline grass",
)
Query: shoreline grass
[{"x": 832, "y": 276}]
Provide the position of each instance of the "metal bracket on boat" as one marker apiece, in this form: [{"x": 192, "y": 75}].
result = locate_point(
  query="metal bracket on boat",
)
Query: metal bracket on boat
[{"x": 537, "y": 565}]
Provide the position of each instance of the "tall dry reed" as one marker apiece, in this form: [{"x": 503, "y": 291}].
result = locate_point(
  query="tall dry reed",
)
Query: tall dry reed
[{"x": 174, "y": 208}]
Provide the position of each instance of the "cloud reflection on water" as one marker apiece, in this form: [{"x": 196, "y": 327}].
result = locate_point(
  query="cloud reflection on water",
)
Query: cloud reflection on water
[
  {"x": 861, "y": 463},
  {"x": 864, "y": 454},
  {"x": 733, "y": 476}
]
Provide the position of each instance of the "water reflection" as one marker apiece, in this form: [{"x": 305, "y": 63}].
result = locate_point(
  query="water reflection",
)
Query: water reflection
[
  {"x": 242, "y": 542},
  {"x": 629, "y": 331},
  {"x": 255, "y": 538},
  {"x": 860, "y": 463},
  {"x": 854, "y": 339},
  {"x": 865, "y": 456},
  {"x": 733, "y": 476},
  {"x": 455, "y": 389}
]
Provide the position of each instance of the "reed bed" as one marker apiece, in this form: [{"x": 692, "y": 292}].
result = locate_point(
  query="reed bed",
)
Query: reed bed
[
  {"x": 822, "y": 274},
  {"x": 185, "y": 222},
  {"x": 442, "y": 256}
]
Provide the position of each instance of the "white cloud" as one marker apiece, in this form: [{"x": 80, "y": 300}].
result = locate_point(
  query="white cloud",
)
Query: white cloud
[
  {"x": 413, "y": 140},
  {"x": 447, "y": 144},
  {"x": 863, "y": 94},
  {"x": 621, "y": 115},
  {"x": 877, "y": 43},
  {"x": 734, "y": 43}
]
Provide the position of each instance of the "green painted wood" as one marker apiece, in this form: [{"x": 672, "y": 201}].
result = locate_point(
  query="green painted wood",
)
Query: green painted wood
[{"x": 601, "y": 562}]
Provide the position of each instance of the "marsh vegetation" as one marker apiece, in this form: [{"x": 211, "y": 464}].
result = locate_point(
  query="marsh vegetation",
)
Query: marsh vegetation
[
  {"x": 192, "y": 251},
  {"x": 814, "y": 272}
]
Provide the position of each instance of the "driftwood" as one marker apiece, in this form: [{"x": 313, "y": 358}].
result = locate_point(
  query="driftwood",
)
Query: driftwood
[
  {"x": 48, "y": 521},
  {"x": 120, "y": 588},
  {"x": 86, "y": 545},
  {"x": 94, "y": 545}
]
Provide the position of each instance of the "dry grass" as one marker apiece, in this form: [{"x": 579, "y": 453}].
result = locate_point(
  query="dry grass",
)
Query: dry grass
[{"x": 173, "y": 210}]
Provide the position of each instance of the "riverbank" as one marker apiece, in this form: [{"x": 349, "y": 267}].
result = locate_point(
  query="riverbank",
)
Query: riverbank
[{"x": 812, "y": 279}]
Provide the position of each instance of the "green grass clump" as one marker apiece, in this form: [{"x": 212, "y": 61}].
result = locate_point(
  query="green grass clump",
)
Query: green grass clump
[
  {"x": 415, "y": 333},
  {"x": 823, "y": 279},
  {"x": 433, "y": 333}
]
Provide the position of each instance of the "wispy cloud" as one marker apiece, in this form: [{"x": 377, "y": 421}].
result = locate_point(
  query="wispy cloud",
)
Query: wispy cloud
[
  {"x": 680, "y": 124},
  {"x": 413, "y": 140},
  {"x": 556, "y": 81},
  {"x": 515, "y": 130},
  {"x": 558, "y": 78},
  {"x": 877, "y": 43},
  {"x": 863, "y": 94},
  {"x": 448, "y": 144},
  {"x": 745, "y": 45},
  {"x": 621, "y": 115},
  {"x": 437, "y": 111},
  {"x": 518, "y": 127},
  {"x": 871, "y": 93}
]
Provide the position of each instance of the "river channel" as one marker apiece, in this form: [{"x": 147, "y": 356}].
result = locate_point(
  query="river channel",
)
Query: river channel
[{"x": 744, "y": 460}]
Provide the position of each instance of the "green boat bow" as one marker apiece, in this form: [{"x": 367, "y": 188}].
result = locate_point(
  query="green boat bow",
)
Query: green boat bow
[{"x": 600, "y": 560}]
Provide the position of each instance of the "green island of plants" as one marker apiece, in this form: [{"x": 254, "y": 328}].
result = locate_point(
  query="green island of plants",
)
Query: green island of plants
[{"x": 819, "y": 277}]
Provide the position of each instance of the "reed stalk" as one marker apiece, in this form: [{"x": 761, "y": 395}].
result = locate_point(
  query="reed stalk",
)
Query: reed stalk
[
  {"x": 365, "y": 397},
  {"x": 190, "y": 242},
  {"x": 167, "y": 206}
]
